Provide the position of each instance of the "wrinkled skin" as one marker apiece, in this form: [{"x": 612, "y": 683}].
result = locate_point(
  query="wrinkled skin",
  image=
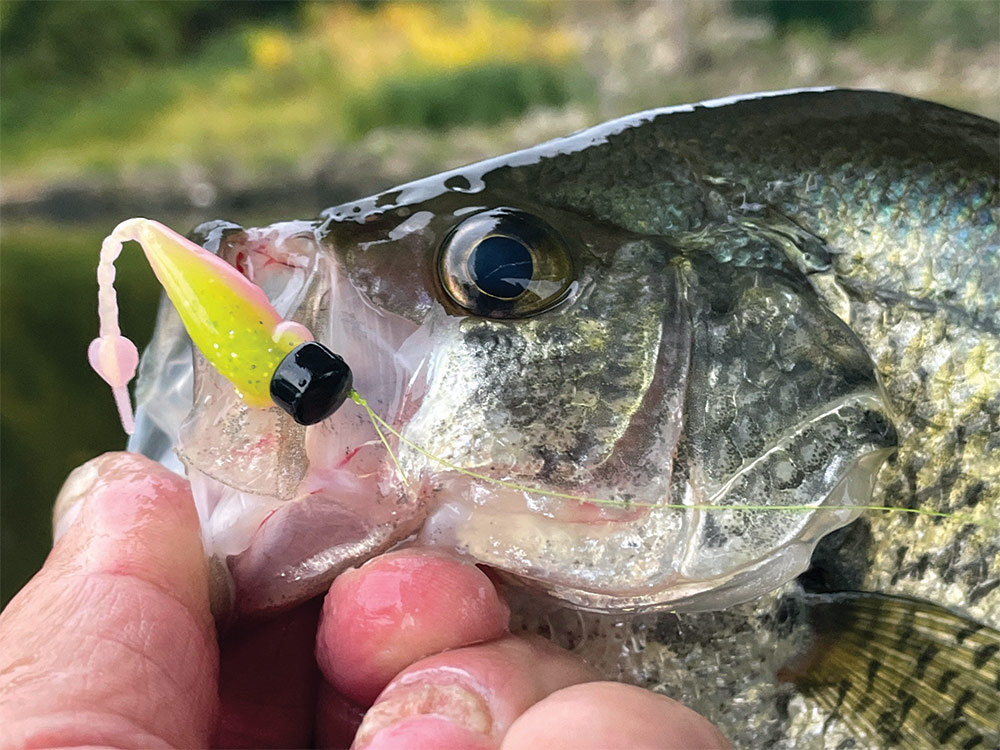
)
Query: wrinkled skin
[
  {"x": 414, "y": 645},
  {"x": 767, "y": 297}
]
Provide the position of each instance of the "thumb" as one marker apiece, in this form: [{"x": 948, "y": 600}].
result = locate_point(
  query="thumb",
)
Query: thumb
[{"x": 112, "y": 642}]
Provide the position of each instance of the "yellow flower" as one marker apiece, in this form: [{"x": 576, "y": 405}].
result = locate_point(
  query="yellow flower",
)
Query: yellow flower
[
  {"x": 366, "y": 45},
  {"x": 269, "y": 49}
]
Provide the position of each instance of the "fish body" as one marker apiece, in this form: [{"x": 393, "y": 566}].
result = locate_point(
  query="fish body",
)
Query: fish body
[{"x": 646, "y": 368}]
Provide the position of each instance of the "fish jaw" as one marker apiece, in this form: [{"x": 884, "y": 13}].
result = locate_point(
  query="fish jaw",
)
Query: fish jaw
[{"x": 636, "y": 558}]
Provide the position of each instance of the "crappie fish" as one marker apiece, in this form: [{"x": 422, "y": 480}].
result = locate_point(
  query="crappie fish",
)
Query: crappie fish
[{"x": 647, "y": 368}]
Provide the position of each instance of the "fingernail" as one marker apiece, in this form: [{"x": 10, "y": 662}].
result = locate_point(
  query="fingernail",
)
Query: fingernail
[
  {"x": 451, "y": 702},
  {"x": 78, "y": 485}
]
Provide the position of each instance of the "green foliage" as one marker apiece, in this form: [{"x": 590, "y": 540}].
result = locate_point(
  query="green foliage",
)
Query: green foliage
[
  {"x": 969, "y": 25},
  {"x": 837, "y": 17},
  {"x": 93, "y": 125},
  {"x": 918, "y": 24},
  {"x": 160, "y": 83},
  {"x": 77, "y": 42},
  {"x": 59, "y": 56},
  {"x": 484, "y": 94}
]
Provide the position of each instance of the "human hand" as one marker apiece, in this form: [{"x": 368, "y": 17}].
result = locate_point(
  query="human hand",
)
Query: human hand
[{"x": 112, "y": 643}]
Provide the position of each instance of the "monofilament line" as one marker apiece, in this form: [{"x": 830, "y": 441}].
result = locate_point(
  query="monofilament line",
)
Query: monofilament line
[
  {"x": 380, "y": 424},
  {"x": 375, "y": 419}
]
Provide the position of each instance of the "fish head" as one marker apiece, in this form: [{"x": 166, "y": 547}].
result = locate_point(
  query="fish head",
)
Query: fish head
[
  {"x": 609, "y": 414},
  {"x": 626, "y": 403}
]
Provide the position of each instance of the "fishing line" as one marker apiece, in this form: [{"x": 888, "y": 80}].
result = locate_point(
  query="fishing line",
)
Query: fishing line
[
  {"x": 377, "y": 421},
  {"x": 373, "y": 417},
  {"x": 273, "y": 361}
]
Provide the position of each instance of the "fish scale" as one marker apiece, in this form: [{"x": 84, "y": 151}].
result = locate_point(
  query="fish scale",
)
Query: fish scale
[
  {"x": 883, "y": 209},
  {"x": 769, "y": 295}
]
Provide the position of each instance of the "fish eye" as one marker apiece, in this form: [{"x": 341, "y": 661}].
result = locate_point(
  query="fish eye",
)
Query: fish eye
[{"x": 505, "y": 263}]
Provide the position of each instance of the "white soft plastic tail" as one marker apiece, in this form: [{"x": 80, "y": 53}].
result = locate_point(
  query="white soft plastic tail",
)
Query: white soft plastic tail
[{"x": 113, "y": 356}]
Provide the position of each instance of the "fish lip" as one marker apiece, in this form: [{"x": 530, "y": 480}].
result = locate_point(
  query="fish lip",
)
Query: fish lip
[
  {"x": 655, "y": 588},
  {"x": 781, "y": 564},
  {"x": 461, "y": 485}
]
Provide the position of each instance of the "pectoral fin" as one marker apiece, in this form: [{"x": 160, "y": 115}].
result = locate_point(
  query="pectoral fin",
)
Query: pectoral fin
[{"x": 902, "y": 672}]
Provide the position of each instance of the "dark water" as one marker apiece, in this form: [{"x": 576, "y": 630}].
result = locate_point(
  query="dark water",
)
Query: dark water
[{"x": 56, "y": 413}]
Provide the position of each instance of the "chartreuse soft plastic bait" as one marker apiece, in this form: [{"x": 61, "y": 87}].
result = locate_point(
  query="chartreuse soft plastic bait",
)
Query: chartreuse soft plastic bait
[{"x": 267, "y": 359}]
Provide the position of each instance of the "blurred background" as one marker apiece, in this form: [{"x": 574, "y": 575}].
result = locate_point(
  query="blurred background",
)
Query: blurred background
[{"x": 257, "y": 111}]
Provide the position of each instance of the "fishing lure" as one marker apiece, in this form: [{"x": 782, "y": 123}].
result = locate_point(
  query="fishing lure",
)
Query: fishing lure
[{"x": 268, "y": 360}]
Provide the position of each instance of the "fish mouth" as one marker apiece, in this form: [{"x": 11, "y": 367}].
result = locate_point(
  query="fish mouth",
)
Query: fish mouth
[{"x": 638, "y": 557}]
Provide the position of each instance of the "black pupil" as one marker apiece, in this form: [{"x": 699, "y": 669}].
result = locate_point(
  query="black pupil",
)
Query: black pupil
[{"x": 501, "y": 267}]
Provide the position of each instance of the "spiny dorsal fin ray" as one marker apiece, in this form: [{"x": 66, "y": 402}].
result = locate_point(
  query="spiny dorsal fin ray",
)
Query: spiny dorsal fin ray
[{"x": 902, "y": 672}]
